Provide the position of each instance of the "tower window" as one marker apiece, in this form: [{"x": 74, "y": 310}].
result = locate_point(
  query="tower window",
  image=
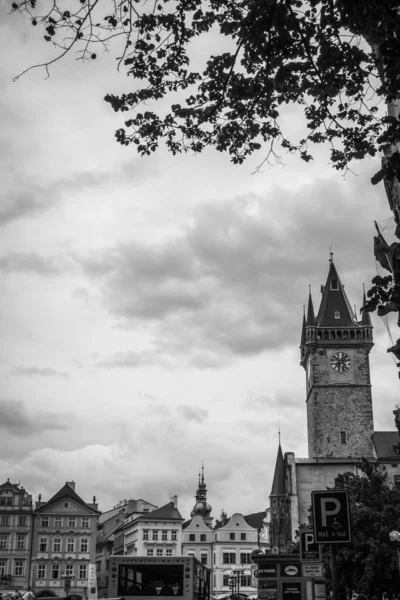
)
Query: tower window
[
  {"x": 343, "y": 437},
  {"x": 337, "y": 314},
  {"x": 334, "y": 284}
]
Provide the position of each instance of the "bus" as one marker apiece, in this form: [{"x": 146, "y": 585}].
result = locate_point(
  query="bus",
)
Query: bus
[{"x": 133, "y": 577}]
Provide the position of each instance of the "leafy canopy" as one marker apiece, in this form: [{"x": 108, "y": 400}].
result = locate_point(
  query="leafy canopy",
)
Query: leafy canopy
[
  {"x": 308, "y": 52},
  {"x": 370, "y": 562}
]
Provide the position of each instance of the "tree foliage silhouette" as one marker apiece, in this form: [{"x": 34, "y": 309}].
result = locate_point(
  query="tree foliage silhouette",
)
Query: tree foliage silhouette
[{"x": 338, "y": 59}]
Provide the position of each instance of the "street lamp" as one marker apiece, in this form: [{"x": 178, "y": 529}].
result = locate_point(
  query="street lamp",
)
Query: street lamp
[
  {"x": 235, "y": 579},
  {"x": 67, "y": 582},
  {"x": 394, "y": 537}
]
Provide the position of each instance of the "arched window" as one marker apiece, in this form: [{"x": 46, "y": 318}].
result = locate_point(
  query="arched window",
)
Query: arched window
[{"x": 334, "y": 284}]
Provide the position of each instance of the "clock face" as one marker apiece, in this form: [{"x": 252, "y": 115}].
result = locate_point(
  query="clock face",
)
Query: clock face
[{"x": 340, "y": 362}]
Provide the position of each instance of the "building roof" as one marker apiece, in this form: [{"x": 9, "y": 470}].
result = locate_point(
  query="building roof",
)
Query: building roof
[
  {"x": 278, "y": 483},
  {"x": 13, "y": 486},
  {"x": 109, "y": 514},
  {"x": 168, "y": 511},
  {"x": 384, "y": 443},
  {"x": 256, "y": 520},
  {"x": 334, "y": 300},
  {"x": 66, "y": 492}
]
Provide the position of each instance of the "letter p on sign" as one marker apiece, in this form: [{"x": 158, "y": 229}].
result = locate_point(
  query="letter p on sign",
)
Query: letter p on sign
[
  {"x": 331, "y": 515},
  {"x": 329, "y": 507}
]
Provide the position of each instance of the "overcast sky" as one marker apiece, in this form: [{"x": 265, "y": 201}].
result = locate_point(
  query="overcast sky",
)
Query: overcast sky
[{"x": 151, "y": 308}]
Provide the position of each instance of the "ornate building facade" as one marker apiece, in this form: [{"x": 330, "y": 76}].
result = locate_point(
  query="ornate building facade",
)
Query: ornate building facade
[
  {"x": 64, "y": 542},
  {"x": 16, "y": 520}
]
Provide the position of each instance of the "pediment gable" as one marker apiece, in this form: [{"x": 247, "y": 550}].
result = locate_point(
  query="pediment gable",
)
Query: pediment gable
[
  {"x": 66, "y": 506},
  {"x": 197, "y": 524}
]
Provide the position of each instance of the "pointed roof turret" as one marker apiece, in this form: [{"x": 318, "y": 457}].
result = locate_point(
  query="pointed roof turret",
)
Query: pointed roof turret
[
  {"x": 335, "y": 309},
  {"x": 366, "y": 317},
  {"x": 310, "y": 311},
  {"x": 278, "y": 483},
  {"x": 303, "y": 330}
]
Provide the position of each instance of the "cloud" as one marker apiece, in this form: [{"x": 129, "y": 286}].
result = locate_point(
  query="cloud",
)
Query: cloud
[
  {"x": 29, "y": 200},
  {"x": 41, "y": 371},
  {"x": 31, "y": 263},
  {"x": 227, "y": 285},
  {"x": 132, "y": 359},
  {"x": 18, "y": 421},
  {"x": 193, "y": 413}
]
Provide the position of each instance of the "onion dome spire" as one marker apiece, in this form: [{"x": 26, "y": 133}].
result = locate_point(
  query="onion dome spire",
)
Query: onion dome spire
[{"x": 202, "y": 507}]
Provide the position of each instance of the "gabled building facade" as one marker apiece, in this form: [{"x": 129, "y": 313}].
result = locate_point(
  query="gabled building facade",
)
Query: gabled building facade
[
  {"x": 153, "y": 533},
  {"x": 64, "y": 542},
  {"x": 16, "y": 520}
]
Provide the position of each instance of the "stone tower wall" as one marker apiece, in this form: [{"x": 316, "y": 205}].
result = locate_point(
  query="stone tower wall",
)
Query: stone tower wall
[{"x": 340, "y": 402}]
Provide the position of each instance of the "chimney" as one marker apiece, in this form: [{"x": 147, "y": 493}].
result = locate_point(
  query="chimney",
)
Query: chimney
[
  {"x": 71, "y": 484},
  {"x": 174, "y": 501}
]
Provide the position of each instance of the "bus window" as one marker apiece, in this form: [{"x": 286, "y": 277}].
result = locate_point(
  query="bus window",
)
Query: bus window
[{"x": 150, "y": 580}]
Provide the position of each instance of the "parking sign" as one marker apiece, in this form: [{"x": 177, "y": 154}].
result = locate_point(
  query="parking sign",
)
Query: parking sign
[
  {"x": 331, "y": 514},
  {"x": 310, "y": 551}
]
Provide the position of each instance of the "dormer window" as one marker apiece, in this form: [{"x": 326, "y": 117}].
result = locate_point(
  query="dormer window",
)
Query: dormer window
[
  {"x": 337, "y": 314},
  {"x": 334, "y": 284}
]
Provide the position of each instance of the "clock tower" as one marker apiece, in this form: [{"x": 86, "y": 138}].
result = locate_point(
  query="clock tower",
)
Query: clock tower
[{"x": 335, "y": 350}]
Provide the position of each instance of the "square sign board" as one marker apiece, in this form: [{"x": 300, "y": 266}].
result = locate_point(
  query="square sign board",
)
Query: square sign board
[
  {"x": 310, "y": 551},
  {"x": 331, "y": 514}
]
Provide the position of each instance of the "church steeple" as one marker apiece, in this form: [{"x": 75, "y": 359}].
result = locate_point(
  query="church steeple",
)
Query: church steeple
[
  {"x": 280, "y": 527},
  {"x": 278, "y": 483},
  {"x": 202, "y": 507}
]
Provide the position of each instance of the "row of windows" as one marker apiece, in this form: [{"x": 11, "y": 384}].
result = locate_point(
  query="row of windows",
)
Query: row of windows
[
  {"x": 41, "y": 572},
  {"x": 229, "y": 558},
  {"x": 245, "y": 580},
  {"x": 18, "y": 570},
  {"x": 5, "y": 540},
  {"x": 203, "y": 557},
  {"x": 69, "y": 521},
  {"x": 6, "y": 501},
  {"x": 338, "y": 334},
  {"x": 6, "y": 521},
  {"x": 44, "y": 545},
  {"x": 159, "y": 552},
  {"x": 203, "y": 537},
  {"x": 164, "y": 534},
  {"x": 45, "y": 521}
]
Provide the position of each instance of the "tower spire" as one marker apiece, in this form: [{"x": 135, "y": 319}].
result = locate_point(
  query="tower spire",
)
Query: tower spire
[
  {"x": 335, "y": 309},
  {"x": 366, "y": 317},
  {"x": 202, "y": 507},
  {"x": 310, "y": 311}
]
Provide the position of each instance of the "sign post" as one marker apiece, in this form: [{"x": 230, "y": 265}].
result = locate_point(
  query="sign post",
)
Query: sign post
[{"x": 331, "y": 515}]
